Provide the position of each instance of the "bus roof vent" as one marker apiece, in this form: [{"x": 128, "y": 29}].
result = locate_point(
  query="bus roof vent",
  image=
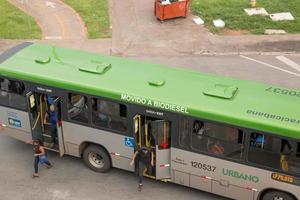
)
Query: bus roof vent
[
  {"x": 97, "y": 68},
  {"x": 222, "y": 91},
  {"x": 156, "y": 83},
  {"x": 43, "y": 60}
]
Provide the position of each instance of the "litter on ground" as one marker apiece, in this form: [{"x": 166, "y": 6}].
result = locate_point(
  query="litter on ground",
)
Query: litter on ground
[
  {"x": 198, "y": 21},
  {"x": 256, "y": 11},
  {"x": 282, "y": 16},
  {"x": 274, "y": 32},
  {"x": 219, "y": 23}
]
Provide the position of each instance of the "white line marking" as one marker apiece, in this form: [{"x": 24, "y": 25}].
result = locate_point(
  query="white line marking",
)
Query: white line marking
[
  {"x": 289, "y": 62},
  {"x": 23, "y": 1},
  {"x": 271, "y": 66},
  {"x": 53, "y": 37},
  {"x": 50, "y": 4}
]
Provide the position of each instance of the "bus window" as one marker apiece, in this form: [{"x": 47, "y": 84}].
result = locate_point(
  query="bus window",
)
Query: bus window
[
  {"x": 274, "y": 152},
  {"x": 12, "y": 93},
  {"x": 184, "y": 132},
  {"x": 109, "y": 114},
  {"x": 217, "y": 139},
  {"x": 4, "y": 97},
  {"x": 78, "y": 109},
  {"x": 17, "y": 87}
]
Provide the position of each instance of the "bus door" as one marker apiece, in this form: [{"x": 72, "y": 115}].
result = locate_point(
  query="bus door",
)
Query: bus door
[
  {"x": 59, "y": 127},
  {"x": 162, "y": 130},
  {"x": 154, "y": 133},
  {"x": 38, "y": 108},
  {"x": 34, "y": 116},
  {"x": 144, "y": 137}
]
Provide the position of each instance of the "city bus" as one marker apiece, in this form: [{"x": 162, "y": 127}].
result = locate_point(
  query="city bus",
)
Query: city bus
[{"x": 235, "y": 138}]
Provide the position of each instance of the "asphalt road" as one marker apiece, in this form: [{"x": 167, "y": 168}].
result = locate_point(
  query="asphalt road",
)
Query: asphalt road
[
  {"x": 70, "y": 179},
  {"x": 261, "y": 68}
]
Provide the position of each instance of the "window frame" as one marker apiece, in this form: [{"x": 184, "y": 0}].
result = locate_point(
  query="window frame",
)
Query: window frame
[
  {"x": 125, "y": 132},
  {"x": 88, "y": 110},
  {"x": 247, "y": 134},
  {"x": 9, "y": 91},
  {"x": 188, "y": 146},
  {"x": 242, "y": 159},
  {"x": 266, "y": 167}
]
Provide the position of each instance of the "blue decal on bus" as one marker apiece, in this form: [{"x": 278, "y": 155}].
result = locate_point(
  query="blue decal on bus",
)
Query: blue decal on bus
[
  {"x": 129, "y": 142},
  {"x": 14, "y": 122}
]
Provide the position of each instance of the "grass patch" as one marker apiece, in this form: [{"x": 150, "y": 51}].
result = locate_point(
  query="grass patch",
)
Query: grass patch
[
  {"x": 95, "y": 15},
  {"x": 15, "y": 24},
  {"x": 232, "y": 12}
]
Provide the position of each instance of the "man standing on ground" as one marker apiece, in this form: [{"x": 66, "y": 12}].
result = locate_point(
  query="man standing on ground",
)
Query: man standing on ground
[{"x": 145, "y": 158}]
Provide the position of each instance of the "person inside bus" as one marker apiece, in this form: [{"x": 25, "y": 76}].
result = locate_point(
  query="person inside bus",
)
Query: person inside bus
[
  {"x": 289, "y": 160},
  {"x": 101, "y": 107},
  {"x": 198, "y": 129},
  {"x": 286, "y": 147},
  {"x": 17, "y": 87},
  {"x": 144, "y": 156},
  {"x": 51, "y": 119},
  {"x": 40, "y": 156},
  {"x": 215, "y": 147},
  {"x": 4, "y": 83},
  {"x": 257, "y": 140}
]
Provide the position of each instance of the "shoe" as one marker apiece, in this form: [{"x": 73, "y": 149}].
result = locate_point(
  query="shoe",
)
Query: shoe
[
  {"x": 35, "y": 175},
  {"x": 140, "y": 187},
  {"x": 49, "y": 166}
]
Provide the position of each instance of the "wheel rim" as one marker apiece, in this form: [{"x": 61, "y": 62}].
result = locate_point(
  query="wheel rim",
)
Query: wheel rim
[
  {"x": 278, "y": 198},
  {"x": 96, "y": 160}
]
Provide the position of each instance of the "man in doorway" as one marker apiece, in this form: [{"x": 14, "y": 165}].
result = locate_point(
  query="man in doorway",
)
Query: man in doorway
[
  {"x": 145, "y": 158},
  {"x": 52, "y": 118}
]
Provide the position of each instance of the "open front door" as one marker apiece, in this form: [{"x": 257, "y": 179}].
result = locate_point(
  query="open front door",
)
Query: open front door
[
  {"x": 137, "y": 131},
  {"x": 59, "y": 127},
  {"x": 162, "y": 129},
  {"x": 34, "y": 116},
  {"x": 46, "y": 124}
]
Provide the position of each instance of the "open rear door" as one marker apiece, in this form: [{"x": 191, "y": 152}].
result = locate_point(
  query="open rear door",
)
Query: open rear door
[
  {"x": 59, "y": 125},
  {"x": 162, "y": 128}
]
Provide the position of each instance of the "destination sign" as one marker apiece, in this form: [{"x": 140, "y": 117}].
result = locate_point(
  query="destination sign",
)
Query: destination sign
[{"x": 285, "y": 178}]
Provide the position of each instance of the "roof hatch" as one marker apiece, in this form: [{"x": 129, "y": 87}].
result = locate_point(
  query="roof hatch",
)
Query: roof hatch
[
  {"x": 222, "y": 91},
  {"x": 156, "y": 83},
  {"x": 43, "y": 60},
  {"x": 98, "y": 68}
]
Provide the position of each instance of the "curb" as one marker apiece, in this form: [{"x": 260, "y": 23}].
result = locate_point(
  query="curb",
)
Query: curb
[{"x": 84, "y": 28}]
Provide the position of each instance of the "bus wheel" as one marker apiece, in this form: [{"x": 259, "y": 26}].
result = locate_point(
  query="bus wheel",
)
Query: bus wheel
[
  {"x": 277, "y": 195},
  {"x": 97, "y": 159}
]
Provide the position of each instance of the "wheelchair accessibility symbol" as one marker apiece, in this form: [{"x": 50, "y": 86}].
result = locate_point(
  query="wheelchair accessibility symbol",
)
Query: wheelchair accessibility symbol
[{"x": 129, "y": 142}]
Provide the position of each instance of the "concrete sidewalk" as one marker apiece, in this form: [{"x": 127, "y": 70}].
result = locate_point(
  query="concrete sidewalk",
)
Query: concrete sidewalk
[
  {"x": 138, "y": 32},
  {"x": 56, "y": 19}
]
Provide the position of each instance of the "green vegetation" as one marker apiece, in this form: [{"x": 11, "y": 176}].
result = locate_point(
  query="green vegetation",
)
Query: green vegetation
[
  {"x": 95, "y": 15},
  {"x": 232, "y": 12},
  {"x": 15, "y": 24}
]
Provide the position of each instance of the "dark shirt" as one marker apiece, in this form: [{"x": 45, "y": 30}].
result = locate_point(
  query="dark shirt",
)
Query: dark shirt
[{"x": 144, "y": 154}]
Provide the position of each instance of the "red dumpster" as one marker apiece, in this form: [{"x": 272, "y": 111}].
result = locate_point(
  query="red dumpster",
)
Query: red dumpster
[{"x": 169, "y": 11}]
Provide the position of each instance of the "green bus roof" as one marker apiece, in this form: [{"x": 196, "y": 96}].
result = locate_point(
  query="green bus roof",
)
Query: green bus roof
[{"x": 237, "y": 102}]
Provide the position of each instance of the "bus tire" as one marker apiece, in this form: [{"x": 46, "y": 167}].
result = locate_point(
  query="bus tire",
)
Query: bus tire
[
  {"x": 274, "y": 195},
  {"x": 97, "y": 159}
]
